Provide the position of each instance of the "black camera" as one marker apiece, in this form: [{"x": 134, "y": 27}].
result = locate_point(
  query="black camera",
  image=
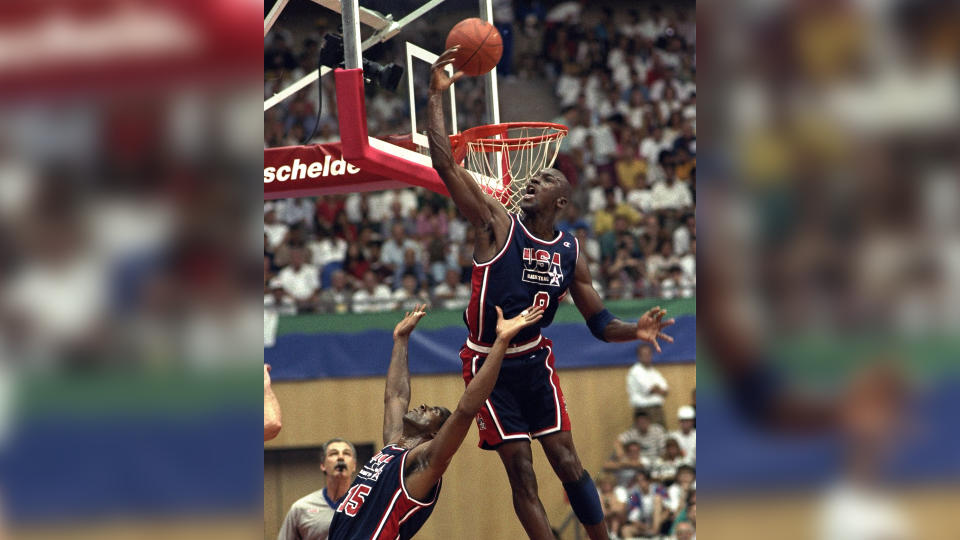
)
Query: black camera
[{"x": 386, "y": 76}]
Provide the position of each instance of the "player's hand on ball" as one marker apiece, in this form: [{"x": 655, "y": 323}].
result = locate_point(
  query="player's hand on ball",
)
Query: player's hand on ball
[
  {"x": 439, "y": 80},
  {"x": 507, "y": 328},
  {"x": 409, "y": 321},
  {"x": 650, "y": 327}
]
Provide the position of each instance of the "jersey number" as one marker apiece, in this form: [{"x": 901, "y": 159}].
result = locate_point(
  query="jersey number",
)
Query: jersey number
[
  {"x": 354, "y": 500},
  {"x": 541, "y": 300}
]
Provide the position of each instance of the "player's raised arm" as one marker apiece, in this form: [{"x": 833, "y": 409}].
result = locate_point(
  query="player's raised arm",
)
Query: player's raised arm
[
  {"x": 396, "y": 395},
  {"x": 435, "y": 456},
  {"x": 271, "y": 408},
  {"x": 476, "y": 206},
  {"x": 603, "y": 325}
]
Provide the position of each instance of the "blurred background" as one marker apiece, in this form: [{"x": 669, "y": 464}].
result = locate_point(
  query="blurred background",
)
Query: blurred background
[
  {"x": 128, "y": 157},
  {"x": 830, "y": 275},
  {"x": 340, "y": 269}
]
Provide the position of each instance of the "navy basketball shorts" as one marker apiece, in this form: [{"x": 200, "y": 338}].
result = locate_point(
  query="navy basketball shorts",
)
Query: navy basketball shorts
[{"x": 526, "y": 402}]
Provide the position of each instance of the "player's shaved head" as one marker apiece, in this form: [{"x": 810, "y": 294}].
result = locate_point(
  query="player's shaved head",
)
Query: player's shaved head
[{"x": 562, "y": 178}]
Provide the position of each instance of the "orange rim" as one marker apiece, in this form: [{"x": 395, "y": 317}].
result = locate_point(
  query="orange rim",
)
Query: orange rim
[{"x": 483, "y": 136}]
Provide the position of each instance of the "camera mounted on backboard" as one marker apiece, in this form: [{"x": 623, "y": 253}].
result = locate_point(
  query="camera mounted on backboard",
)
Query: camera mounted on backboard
[{"x": 385, "y": 76}]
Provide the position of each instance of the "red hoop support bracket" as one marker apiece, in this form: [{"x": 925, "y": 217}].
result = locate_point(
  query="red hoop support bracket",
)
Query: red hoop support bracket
[{"x": 352, "y": 112}]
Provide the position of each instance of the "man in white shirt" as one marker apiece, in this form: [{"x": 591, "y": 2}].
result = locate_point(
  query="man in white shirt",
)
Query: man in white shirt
[
  {"x": 296, "y": 211},
  {"x": 309, "y": 518},
  {"x": 672, "y": 194},
  {"x": 394, "y": 249},
  {"x": 373, "y": 297},
  {"x": 327, "y": 249},
  {"x": 272, "y": 227},
  {"x": 677, "y": 284},
  {"x": 687, "y": 434},
  {"x": 379, "y": 204},
  {"x": 683, "y": 234},
  {"x": 409, "y": 295},
  {"x": 298, "y": 283},
  {"x": 652, "y": 145},
  {"x": 451, "y": 294},
  {"x": 651, "y": 437},
  {"x": 646, "y": 387}
]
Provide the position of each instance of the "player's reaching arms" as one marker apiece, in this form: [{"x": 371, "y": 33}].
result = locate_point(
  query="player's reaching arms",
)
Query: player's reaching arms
[
  {"x": 271, "y": 408},
  {"x": 396, "y": 394},
  {"x": 429, "y": 460},
  {"x": 604, "y": 325},
  {"x": 481, "y": 210}
]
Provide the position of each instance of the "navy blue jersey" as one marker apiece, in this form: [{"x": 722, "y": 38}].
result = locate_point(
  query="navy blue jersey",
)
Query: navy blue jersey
[
  {"x": 525, "y": 270},
  {"x": 377, "y": 505}
]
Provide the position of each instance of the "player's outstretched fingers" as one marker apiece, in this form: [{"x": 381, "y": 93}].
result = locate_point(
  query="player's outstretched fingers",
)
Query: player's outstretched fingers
[
  {"x": 665, "y": 337},
  {"x": 446, "y": 57}
]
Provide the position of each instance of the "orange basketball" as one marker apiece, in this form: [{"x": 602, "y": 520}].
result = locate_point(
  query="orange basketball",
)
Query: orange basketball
[{"x": 480, "y": 46}]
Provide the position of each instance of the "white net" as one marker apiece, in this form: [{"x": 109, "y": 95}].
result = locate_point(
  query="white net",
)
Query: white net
[{"x": 503, "y": 163}]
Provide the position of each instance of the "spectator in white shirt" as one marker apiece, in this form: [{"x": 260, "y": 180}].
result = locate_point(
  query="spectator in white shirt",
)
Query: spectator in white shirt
[
  {"x": 665, "y": 466},
  {"x": 604, "y": 143},
  {"x": 641, "y": 197},
  {"x": 380, "y": 204},
  {"x": 393, "y": 250},
  {"x": 409, "y": 295},
  {"x": 687, "y": 434},
  {"x": 683, "y": 234},
  {"x": 336, "y": 297},
  {"x": 373, "y": 296},
  {"x": 671, "y": 194},
  {"x": 569, "y": 85},
  {"x": 326, "y": 249},
  {"x": 689, "y": 263},
  {"x": 275, "y": 230},
  {"x": 650, "y": 436},
  {"x": 659, "y": 263},
  {"x": 298, "y": 211},
  {"x": 357, "y": 206},
  {"x": 677, "y": 284},
  {"x": 652, "y": 145},
  {"x": 451, "y": 294},
  {"x": 298, "y": 283},
  {"x": 646, "y": 387},
  {"x": 679, "y": 491}
]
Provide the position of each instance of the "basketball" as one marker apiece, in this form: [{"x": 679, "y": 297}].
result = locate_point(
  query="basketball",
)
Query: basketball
[{"x": 480, "y": 46}]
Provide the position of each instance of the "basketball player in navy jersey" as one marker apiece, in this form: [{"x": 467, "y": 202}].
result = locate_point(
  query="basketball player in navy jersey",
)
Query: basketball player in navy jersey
[
  {"x": 519, "y": 261},
  {"x": 395, "y": 492}
]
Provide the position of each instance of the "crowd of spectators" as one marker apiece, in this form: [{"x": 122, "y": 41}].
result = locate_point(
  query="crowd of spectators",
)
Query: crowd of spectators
[
  {"x": 648, "y": 485},
  {"x": 624, "y": 83}
]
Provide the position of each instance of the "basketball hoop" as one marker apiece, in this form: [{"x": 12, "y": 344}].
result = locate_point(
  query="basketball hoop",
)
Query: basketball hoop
[{"x": 503, "y": 157}]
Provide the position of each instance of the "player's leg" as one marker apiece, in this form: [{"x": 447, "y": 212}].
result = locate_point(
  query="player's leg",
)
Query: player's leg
[
  {"x": 518, "y": 461},
  {"x": 545, "y": 411},
  {"x": 583, "y": 495}
]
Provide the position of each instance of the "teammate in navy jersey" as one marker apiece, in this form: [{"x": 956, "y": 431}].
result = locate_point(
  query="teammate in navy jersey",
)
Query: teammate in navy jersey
[
  {"x": 395, "y": 492},
  {"x": 519, "y": 261}
]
